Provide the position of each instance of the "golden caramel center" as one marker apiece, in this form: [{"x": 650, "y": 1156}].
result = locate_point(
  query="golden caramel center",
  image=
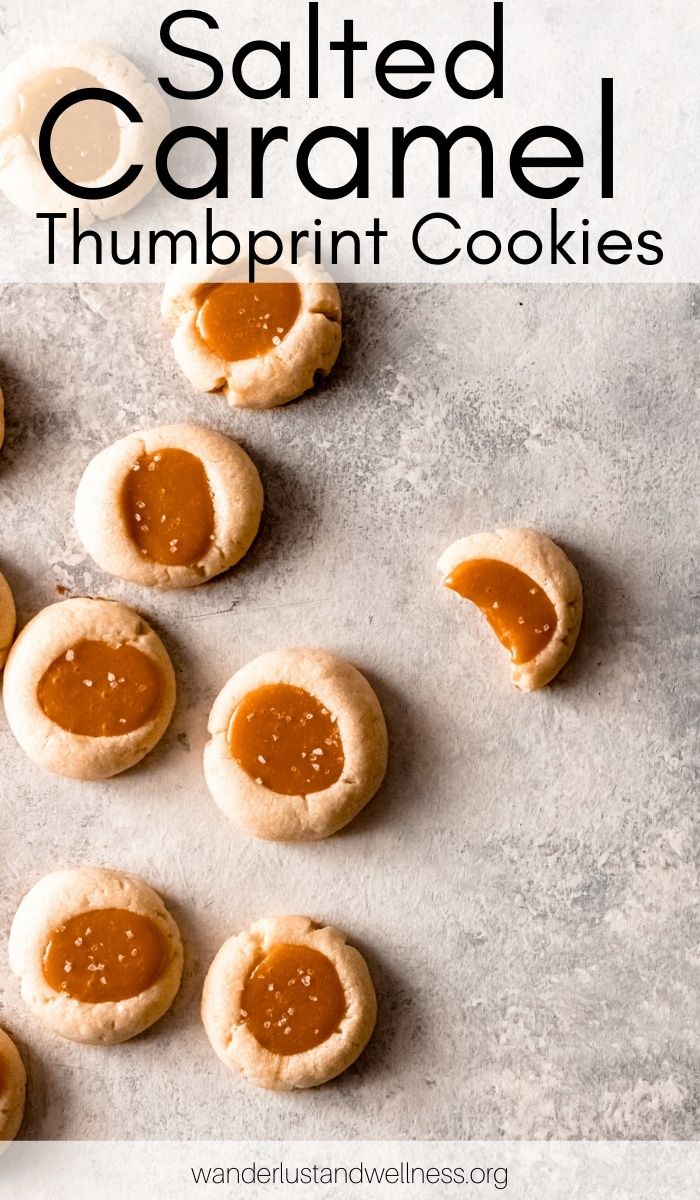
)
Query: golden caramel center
[
  {"x": 247, "y": 320},
  {"x": 521, "y": 615},
  {"x": 86, "y": 138},
  {"x": 101, "y": 690},
  {"x": 286, "y": 740},
  {"x": 168, "y": 508},
  {"x": 293, "y": 1000},
  {"x": 105, "y": 954}
]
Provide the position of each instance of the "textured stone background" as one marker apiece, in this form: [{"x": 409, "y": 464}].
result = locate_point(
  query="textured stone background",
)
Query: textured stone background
[{"x": 525, "y": 885}]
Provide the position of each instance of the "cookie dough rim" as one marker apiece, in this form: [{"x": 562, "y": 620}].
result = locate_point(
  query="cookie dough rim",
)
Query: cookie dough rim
[
  {"x": 536, "y": 555},
  {"x": 13, "y": 1088},
  {"x": 284, "y": 373},
  {"x": 230, "y": 1037},
  {"x": 69, "y": 893},
  {"x": 344, "y": 691},
  {"x": 8, "y": 620},
  {"x": 48, "y": 635},
  {"x": 237, "y": 498},
  {"x": 22, "y": 177}
]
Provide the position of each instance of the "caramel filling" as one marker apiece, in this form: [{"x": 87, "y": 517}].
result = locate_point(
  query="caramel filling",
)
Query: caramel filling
[
  {"x": 105, "y": 954},
  {"x": 521, "y": 615},
  {"x": 247, "y": 320},
  {"x": 168, "y": 508},
  {"x": 286, "y": 740},
  {"x": 86, "y": 138},
  {"x": 100, "y": 690},
  {"x": 293, "y": 1000}
]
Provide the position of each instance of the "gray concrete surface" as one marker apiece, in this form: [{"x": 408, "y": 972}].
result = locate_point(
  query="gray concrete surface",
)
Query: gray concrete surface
[{"x": 525, "y": 885}]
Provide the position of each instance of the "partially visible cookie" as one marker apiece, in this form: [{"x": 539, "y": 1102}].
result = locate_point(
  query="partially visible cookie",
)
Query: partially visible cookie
[
  {"x": 2, "y": 417},
  {"x": 98, "y": 955},
  {"x": 93, "y": 143},
  {"x": 298, "y": 745},
  {"x": 169, "y": 507},
  {"x": 288, "y": 1004},
  {"x": 13, "y": 1084},
  {"x": 8, "y": 619},
  {"x": 89, "y": 688},
  {"x": 529, "y": 592},
  {"x": 260, "y": 344}
]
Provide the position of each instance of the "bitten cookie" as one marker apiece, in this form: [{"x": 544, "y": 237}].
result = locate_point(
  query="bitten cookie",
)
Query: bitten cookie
[
  {"x": 259, "y": 344},
  {"x": 98, "y": 955},
  {"x": 8, "y": 619},
  {"x": 89, "y": 688},
  {"x": 529, "y": 593},
  {"x": 298, "y": 745},
  {"x": 169, "y": 507},
  {"x": 13, "y": 1085},
  {"x": 288, "y": 1004},
  {"x": 93, "y": 142}
]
